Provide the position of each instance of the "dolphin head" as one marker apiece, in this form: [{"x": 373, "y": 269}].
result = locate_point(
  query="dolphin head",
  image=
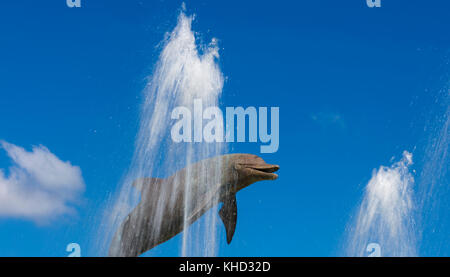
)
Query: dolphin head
[{"x": 251, "y": 168}]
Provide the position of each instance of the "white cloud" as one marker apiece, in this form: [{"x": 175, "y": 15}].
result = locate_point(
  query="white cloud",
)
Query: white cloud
[{"x": 39, "y": 186}]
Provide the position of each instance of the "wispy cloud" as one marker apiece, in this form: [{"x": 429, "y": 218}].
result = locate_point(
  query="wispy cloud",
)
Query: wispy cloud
[
  {"x": 39, "y": 186},
  {"x": 327, "y": 119}
]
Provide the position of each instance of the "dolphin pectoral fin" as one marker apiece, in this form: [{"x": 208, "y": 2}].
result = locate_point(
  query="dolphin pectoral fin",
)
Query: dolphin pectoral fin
[{"x": 228, "y": 214}]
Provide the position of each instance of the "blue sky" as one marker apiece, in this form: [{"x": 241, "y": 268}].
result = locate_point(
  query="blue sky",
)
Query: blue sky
[{"x": 355, "y": 87}]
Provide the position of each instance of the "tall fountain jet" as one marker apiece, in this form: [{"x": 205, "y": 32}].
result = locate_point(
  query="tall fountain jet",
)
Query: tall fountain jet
[{"x": 181, "y": 75}]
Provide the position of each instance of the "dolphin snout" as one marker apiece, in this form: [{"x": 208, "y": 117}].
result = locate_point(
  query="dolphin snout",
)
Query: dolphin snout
[{"x": 266, "y": 170}]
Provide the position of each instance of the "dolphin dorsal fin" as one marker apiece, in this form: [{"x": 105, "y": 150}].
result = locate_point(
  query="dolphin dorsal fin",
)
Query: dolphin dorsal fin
[
  {"x": 228, "y": 214},
  {"x": 142, "y": 183}
]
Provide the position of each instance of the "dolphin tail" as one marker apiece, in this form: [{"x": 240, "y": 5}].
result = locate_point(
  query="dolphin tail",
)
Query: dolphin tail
[
  {"x": 133, "y": 237},
  {"x": 142, "y": 184}
]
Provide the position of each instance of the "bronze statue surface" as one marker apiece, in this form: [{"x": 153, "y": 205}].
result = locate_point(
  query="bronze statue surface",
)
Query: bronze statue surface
[{"x": 169, "y": 205}]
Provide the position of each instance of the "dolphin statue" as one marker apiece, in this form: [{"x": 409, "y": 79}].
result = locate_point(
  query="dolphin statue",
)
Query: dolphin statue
[{"x": 168, "y": 206}]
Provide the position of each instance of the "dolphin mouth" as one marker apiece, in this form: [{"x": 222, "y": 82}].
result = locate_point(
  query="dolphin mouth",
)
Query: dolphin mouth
[{"x": 267, "y": 171}]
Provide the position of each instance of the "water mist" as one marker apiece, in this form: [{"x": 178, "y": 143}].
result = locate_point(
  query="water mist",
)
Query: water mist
[{"x": 181, "y": 75}]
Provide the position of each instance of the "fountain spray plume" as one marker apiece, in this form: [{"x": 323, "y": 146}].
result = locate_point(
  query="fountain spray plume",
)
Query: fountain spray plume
[
  {"x": 386, "y": 215},
  {"x": 433, "y": 188},
  {"x": 181, "y": 75}
]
